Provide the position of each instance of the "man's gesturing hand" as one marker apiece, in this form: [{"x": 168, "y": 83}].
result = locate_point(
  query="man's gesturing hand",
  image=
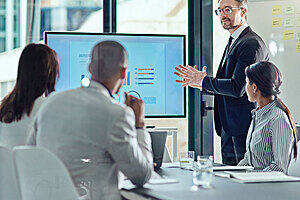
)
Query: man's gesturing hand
[{"x": 192, "y": 77}]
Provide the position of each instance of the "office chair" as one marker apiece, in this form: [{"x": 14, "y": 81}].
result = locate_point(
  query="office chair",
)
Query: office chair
[
  {"x": 8, "y": 180},
  {"x": 294, "y": 167},
  {"x": 42, "y": 175}
]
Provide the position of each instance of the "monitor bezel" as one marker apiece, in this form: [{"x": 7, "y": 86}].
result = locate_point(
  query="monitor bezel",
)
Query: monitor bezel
[{"x": 46, "y": 33}]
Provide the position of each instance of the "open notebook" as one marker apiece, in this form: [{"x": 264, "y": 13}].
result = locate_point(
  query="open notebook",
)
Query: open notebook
[
  {"x": 231, "y": 168},
  {"x": 156, "y": 179},
  {"x": 260, "y": 177}
]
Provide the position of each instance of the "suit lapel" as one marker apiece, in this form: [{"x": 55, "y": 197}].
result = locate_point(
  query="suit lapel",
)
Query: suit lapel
[{"x": 245, "y": 31}]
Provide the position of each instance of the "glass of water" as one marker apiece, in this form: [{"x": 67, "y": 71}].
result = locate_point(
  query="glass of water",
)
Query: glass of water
[
  {"x": 203, "y": 171},
  {"x": 186, "y": 159}
]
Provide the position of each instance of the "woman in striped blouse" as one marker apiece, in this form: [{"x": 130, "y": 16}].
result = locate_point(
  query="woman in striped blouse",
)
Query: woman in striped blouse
[{"x": 271, "y": 140}]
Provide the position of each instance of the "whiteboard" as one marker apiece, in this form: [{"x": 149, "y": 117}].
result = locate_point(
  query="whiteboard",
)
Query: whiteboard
[{"x": 278, "y": 23}]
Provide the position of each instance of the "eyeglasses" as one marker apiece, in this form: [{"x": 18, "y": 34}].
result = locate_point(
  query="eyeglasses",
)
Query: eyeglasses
[{"x": 226, "y": 10}]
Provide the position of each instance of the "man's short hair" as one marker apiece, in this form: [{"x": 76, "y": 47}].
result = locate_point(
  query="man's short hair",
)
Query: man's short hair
[
  {"x": 242, "y": 3},
  {"x": 108, "y": 57}
]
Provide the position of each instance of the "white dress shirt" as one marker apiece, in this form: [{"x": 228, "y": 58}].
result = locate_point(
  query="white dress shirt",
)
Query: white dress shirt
[
  {"x": 15, "y": 133},
  {"x": 237, "y": 33},
  {"x": 95, "y": 138}
]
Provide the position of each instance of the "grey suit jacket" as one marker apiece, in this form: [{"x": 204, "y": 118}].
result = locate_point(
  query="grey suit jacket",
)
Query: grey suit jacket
[{"x": 95, "y": 138}]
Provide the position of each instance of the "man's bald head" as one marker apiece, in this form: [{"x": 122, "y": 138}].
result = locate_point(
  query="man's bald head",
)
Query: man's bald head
[{"x": 108, "y": 57}]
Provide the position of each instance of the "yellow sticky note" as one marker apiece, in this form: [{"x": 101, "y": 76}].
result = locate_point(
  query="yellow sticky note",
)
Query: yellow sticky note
[
  {"x": 297, "y": 36},
  {"x": 289, "y": 34},
  {"x": 298, "y": 47},
  {"x": 276, "y": 22},
  {"x": 290, "y": 9},
  {"x": 277, "y": 10},
  {"x": 289, "y": 22}
]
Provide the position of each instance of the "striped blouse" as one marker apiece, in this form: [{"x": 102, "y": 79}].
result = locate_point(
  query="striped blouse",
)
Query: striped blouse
[{"x": 270, "y": 139}]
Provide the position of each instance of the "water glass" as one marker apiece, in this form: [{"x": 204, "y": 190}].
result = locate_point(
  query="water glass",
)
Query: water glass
[
  {"x": 186, "y": 159},
  {"x": 203, "y": 171}
]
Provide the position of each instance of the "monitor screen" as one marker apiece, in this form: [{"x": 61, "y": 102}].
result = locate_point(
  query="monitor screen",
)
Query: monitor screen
[{"x": 150, "y": 73}]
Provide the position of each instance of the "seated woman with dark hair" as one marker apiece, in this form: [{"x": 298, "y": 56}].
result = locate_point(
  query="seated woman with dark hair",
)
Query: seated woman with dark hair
[
  {"x": 37, "y": 73},
  {"x": 271, "y": 140}
]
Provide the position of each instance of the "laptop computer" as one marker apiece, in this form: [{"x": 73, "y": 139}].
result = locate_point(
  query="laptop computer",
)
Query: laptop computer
[{"x": 158, "y": 147}]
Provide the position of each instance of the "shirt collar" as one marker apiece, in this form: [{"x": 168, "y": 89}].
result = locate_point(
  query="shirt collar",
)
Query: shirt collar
[
  {"x": 238, "y": 31},
  {"x": 259, "y": 113},
  {"x": 101, "y": 88}
]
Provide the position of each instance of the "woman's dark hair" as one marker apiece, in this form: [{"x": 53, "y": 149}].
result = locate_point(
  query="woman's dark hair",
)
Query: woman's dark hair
[
  {"x": 38, "y": 70},
  {"x": 268, "y": 79}
]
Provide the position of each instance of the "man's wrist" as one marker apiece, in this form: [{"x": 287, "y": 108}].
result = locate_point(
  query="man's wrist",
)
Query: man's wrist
[
  {"x": 140, "y": 128},
  {"x": 140, "y": 125},
  {"x": 201, "y": 81}
]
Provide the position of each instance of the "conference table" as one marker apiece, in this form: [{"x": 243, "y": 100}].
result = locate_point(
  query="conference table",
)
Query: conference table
[{"x": 221, "y": 189}]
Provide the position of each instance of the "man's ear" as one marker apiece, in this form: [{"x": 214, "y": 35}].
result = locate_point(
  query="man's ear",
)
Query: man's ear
[
  {"x": 90, "y": 68},
  {"x": 91, "y": 71},
  {"x": 244, "y": 12},
  {"x": 123, "y": 72}
]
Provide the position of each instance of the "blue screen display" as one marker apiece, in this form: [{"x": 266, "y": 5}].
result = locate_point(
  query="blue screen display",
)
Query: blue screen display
[{"x": 150, "y": 73}]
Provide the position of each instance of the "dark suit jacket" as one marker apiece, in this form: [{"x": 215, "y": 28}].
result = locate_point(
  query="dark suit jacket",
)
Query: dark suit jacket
[{"x": 232, "y": 110}]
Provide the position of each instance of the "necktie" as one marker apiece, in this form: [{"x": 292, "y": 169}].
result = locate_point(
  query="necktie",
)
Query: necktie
[
  {"x": 228, "y": 45},
  {"x": 226, "y": 51}
]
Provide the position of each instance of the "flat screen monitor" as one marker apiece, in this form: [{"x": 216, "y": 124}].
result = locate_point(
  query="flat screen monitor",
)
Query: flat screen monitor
[{"x": 150, "y": 73}]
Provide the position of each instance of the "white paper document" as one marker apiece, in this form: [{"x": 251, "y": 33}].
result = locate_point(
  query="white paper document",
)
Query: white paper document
[
  {"x": 157, "y": 179},
  {"x": 258, "y": 177},
  {"x": 232, "y": 168}
]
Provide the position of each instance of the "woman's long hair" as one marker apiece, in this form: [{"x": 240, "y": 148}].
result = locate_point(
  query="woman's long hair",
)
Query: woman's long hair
[
  {"x": 38, "y": 70},
  {"x": 268, "y": 79}
]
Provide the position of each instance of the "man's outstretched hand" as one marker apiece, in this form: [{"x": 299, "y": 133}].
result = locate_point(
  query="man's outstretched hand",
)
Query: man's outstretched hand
[{"x": 192, "y": 77}]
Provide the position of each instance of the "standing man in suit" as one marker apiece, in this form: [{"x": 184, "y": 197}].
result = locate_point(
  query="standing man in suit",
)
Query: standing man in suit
[
  {"x": 95, "y": 137},
  {"x": 232, "y": 110}
]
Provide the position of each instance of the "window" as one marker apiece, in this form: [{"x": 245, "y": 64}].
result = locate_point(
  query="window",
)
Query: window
[
  {"x": 22, "y": 23},
  {"x": 70, "y": 15},
  {"x": 152, "y": 16}
]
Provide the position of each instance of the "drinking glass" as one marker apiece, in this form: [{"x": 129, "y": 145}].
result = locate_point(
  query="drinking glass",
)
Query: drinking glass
[
  {"x": 203, "y": 171},
  {"x": 186, "y": 159}
]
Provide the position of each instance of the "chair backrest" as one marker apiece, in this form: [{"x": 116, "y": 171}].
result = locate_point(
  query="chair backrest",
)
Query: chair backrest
[
  {"x": 294, "y": 167},
  {"x": 42, "y": 175},
  {"x": 298, "y": 132},
  {"x": 8, "y": 181}
]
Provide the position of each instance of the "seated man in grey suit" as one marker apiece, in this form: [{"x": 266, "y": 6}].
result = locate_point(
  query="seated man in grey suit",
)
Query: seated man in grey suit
[{"x": 93, "y": 136}]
